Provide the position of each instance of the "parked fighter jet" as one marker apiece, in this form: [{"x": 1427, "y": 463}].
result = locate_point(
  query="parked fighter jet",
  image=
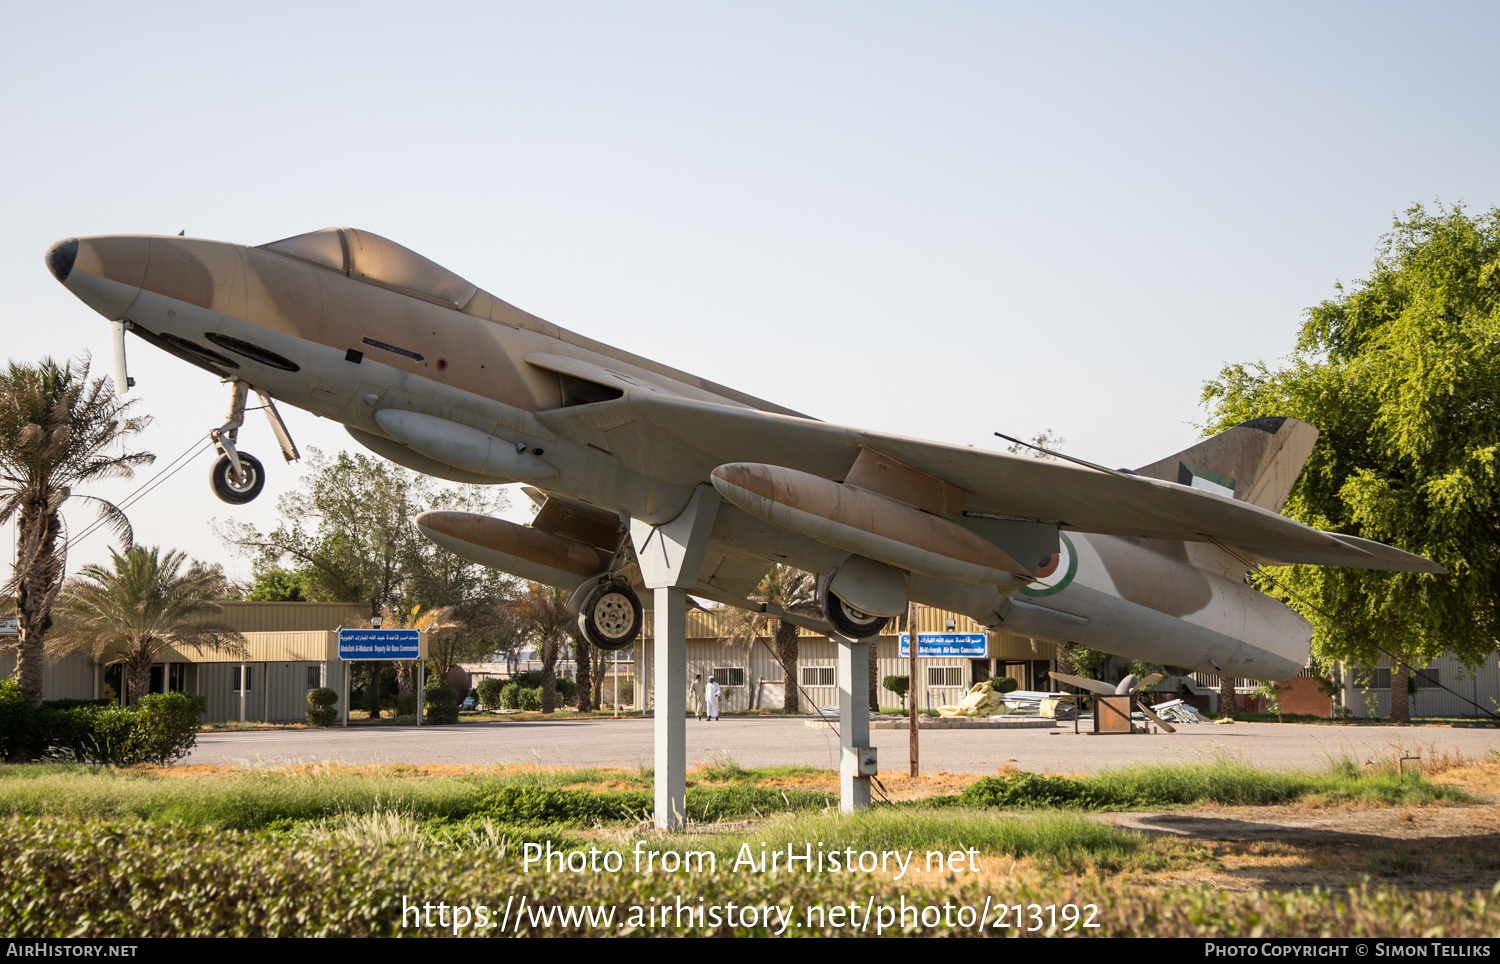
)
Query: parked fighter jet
[{"x": 431, "y": 372}]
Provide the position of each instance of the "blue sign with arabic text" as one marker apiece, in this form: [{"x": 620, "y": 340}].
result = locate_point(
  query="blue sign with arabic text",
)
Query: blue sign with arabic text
[
  {"x": 380, "y": 644},
  {"x": 945, "y": 644}
]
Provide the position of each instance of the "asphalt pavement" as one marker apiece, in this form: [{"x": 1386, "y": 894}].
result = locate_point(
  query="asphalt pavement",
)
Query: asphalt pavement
[{"x": 771, "y": 740}]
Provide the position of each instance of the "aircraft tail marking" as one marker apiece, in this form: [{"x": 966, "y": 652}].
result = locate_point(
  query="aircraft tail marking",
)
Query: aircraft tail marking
[{"x": 1256, "y": 461}]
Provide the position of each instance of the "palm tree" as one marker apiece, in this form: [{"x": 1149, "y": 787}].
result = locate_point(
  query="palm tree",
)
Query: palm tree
[
  {"x": 544, "y": 609},
  {"x": 793, "y": 591},
  {"x": 135, "y": 611},
  {"x": 57, "y": 430},
  {"x": 438, "y": 624}
]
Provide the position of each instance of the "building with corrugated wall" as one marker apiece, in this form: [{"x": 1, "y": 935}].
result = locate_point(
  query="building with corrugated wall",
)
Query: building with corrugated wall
[
  {"x": 290, "y": 648},
  {"x": 752, "y": 678}
]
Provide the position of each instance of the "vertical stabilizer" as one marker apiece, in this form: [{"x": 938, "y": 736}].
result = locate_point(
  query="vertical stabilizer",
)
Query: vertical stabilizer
[{"x": 1256, "y": 462}]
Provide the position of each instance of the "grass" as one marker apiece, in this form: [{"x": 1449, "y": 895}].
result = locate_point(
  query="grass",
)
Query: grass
[
  {"x": 253, "y": 800},
  {"x": 332, "y": 849},
  {"x": 103, "y": 879},
  {"x": 1223, "y": 781},
  {"x": 1061, "y": 843},
  {"x": 718, "y": 790}
]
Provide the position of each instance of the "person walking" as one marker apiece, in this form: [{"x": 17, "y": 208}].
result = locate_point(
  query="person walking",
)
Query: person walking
[
  {"x": 697, "y": 689},
  {"x": 713, "y": 698}
]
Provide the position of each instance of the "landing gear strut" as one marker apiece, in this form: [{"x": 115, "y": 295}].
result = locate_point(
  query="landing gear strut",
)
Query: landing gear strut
[
  {"x": 610, "y": 617},
  {"x": 238, "y": 477}
]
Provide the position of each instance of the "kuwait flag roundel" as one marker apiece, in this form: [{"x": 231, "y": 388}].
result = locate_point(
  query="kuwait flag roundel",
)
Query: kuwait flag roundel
[{"x": 1054, "y": 572}]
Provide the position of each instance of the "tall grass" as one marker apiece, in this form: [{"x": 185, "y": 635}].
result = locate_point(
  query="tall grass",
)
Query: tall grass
[
  {"x": 1222, "y": 780},
  {"x": 258, "y": 799},
  {"x": 1067, "y": 843}
]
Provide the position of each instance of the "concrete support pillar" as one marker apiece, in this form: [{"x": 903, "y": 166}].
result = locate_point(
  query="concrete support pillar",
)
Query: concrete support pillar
[
  {"x": 854, "y": 723},
  {"x": 670, "y": 685},
  {"x": 244, "y": 672},
  {"x": 670, "y": 556}
]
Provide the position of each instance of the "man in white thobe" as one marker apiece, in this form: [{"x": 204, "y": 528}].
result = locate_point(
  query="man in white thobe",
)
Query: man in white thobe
[{"x": 713, "y": 699}]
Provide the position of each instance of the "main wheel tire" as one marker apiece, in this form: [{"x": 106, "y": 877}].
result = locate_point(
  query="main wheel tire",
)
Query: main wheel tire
[
  {"x": 238, "y": 493},
  {"x": 851, "y": 622},
  {"x": 610, "y": 617}
]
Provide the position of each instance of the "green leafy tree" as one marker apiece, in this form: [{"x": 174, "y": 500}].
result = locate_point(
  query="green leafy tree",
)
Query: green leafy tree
[
  {"x": 898, "y": 685},
  {"x": 1401, "y": 374},
  {"x": 278, "y": 585},
  {"x": 348, "y": 530},
  {"x": 58, "y": 430},
  {"x": 144, "y": 603}
]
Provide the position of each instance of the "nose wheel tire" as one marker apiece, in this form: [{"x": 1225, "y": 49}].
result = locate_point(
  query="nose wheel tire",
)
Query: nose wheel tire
[
  {"x": 851, "y": 622},
  {"x": 237, "y": 491},
  {"x": 611, "y": 616}
]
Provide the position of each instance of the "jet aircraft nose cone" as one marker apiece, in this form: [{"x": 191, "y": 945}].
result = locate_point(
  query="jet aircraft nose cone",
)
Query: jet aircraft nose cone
[{"x": 60, "y": 258}]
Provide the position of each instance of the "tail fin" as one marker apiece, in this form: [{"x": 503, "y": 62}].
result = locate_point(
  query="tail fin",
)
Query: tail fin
[{"x": 1256, "y": 461}]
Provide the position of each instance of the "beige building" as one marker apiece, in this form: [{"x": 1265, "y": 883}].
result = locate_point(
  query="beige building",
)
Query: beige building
[
  {"x": 290, "y": 649},
  {"x": 751, "y": 677}
]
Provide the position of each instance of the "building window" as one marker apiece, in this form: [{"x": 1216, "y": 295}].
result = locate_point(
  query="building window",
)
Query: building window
[
  {"x": 729, "y": 675},
  {"x": 817, "y": 676},
  {"x": 945, "y": 676},
  {"x": 314, "y": 677},
  {"x": 249, "y": 679},
  {"x": 1428, "y": 679}
]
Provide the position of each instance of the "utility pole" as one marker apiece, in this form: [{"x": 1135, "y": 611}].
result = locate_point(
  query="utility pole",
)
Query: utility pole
[{"x": 911, "y": 685}]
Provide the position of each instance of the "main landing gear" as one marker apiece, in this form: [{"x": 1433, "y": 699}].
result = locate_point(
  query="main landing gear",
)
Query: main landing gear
[
  {"x": 850, "y": 622},
  {"x": 238, "y": 477},
  {"x": 610, "y": 617}
]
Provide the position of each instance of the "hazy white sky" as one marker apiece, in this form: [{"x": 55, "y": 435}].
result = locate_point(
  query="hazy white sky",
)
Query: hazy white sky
[{"x": 938, "y": 219}]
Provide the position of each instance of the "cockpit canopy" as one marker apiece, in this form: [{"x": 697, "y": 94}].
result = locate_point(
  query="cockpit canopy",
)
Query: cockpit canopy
[{"x": 369, "y": 257}]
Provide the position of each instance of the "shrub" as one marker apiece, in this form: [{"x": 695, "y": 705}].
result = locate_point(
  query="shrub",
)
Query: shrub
[
  {"x": 1004, "y": 684},
  {"x": 531, "y": 679},
  {"x": 898, "y": 685},
  {"x": 406, "y": 703},
  {"x": 15, "y": 719},
  {"x": 1026, "y": 789},
  {"x": 442, "y": 706},
  {"x": 567, "y": 690},
  {"x": 161, "y": 728},
  {"x": 529, "y": 699},
  {"x": 165, "y": 727},
  {"x": 510, "y": 696},
  {"x": 489, "y": 693},
  {"x": 320, "y": 706}
]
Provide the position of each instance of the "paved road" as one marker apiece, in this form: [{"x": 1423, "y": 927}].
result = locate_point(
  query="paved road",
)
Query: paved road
[{"x": 767, "y": 741}]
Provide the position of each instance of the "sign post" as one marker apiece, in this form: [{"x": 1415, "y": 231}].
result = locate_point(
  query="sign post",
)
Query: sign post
[{"x": 380, "y": 645}]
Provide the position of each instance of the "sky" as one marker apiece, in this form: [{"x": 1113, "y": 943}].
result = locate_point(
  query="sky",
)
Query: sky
[{"x": 939, "y": 220}]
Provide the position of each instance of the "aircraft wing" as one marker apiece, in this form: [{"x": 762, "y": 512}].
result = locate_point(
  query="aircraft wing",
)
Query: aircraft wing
[{"x": 682, "y": 440}]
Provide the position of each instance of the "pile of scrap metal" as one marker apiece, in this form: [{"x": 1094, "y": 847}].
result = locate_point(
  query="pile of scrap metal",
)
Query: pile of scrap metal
[{"x": 1177, "y": 711}]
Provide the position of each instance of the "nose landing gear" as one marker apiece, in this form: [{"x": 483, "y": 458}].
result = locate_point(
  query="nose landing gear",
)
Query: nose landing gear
[{"x": 238, "y": 477}]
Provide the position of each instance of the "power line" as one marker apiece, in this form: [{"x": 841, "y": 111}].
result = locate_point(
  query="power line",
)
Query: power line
[{"x": 182, "y": 461}]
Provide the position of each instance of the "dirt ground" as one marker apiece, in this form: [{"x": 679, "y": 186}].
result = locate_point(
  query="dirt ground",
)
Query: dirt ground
[{"x": 1305, "y": 845}]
